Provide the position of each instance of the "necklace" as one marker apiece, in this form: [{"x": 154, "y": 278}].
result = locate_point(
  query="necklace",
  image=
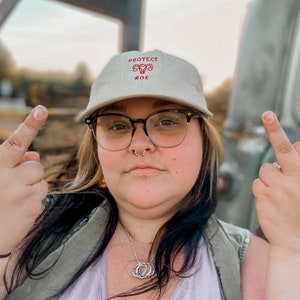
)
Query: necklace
[{"x": 143, "y": 269}]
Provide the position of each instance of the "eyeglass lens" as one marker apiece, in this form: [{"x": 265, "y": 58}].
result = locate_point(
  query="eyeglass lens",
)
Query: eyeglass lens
[{"x": 165, "y": 129}]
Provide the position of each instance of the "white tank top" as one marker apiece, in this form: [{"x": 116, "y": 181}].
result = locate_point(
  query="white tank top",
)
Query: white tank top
[{"x": 203, "y": 284}]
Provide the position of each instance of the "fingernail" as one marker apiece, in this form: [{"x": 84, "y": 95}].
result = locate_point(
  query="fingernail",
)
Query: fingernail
[
  {"x": 39, "y": 112},
  {"x": 268, "y": 117}
]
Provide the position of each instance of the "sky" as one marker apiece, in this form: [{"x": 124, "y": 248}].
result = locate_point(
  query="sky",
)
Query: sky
[{"x": 48, "y": 35}]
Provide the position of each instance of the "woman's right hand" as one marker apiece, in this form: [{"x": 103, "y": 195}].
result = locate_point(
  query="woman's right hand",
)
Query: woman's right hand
[{"x": 22, "y": 184}]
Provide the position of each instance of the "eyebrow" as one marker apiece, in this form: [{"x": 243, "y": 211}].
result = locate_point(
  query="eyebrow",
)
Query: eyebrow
[
  {"x": 161, "y": 103},
  {"x": 114, "y": 106}
]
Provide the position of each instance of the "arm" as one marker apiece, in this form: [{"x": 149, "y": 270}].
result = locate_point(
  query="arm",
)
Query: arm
[
  {"x": 22, "y": 187},
  {"x": 253, "y": 269},
  {"x": 277, "y": 194}
]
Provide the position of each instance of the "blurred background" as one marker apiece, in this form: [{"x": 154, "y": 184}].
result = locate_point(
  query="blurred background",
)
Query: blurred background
[
  {"x": 245, "y": 50},
  {"x": 50, "y": 52}
]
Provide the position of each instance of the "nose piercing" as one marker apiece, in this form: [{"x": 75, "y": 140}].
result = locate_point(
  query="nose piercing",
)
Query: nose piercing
[{"x": 142, "y": 154}]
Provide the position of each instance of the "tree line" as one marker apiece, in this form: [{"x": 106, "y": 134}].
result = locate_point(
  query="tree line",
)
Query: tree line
[{"x": 37, "y": 86}]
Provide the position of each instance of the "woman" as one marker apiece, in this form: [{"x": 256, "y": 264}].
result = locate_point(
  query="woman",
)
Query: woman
[{"x": 137, "y": 221}]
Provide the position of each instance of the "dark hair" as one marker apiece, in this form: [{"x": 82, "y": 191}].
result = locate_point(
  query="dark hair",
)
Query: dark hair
[{"x": 182, "y": 231}]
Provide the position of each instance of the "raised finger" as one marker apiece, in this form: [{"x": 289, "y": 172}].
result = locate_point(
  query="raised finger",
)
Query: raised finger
[
  {"x": 285, "y": 152},
  {"x": 12, "y": 151}
]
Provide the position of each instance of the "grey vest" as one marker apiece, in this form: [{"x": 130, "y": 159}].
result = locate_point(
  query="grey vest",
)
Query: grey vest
[{"x": 226, "y": 242}]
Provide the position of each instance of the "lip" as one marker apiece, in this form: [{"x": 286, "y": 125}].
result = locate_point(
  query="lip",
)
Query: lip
[{"x": 143, "y": 170}]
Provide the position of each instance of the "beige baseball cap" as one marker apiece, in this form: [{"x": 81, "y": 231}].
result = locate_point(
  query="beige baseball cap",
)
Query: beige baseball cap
[{"x": 152, "y": 74}]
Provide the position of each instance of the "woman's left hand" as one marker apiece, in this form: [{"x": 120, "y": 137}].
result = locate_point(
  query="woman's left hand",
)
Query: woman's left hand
[{"x": 277, "y": 191}]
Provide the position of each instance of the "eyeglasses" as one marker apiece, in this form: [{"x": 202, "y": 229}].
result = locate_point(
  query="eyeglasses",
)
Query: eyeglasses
[{"x": 165, "y": 128}]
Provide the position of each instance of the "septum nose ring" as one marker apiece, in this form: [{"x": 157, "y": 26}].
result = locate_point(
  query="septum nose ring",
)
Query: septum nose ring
[{"x": 142, "y": 154}]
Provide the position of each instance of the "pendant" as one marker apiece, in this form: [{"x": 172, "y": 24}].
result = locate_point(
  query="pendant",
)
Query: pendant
[{"x": 143, "y": 270}]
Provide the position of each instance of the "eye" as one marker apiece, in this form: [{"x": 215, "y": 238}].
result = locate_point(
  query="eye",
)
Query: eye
[
  {"x": 167, "y": 122},
  {"x": 117, "y": 127},
  {"x": 167, "y": 119},
  {"x": 114, "y": 124}
]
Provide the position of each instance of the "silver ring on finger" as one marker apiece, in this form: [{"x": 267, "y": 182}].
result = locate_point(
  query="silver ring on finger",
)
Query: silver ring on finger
[{"x": 277, "y": 165}]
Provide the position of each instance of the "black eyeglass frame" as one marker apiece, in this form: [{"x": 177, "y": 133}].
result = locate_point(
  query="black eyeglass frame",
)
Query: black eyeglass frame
[{"x": 91, "y": 121}]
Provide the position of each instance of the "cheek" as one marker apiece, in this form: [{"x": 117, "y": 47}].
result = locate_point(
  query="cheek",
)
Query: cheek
[
  {"x": 194, "y": 149},
  {"x": 188, "y": 162},
  {"x": 106, "y": 161}
]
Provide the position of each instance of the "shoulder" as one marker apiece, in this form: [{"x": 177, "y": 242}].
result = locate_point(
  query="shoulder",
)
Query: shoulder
[
  {"x": 59, "y": 266},
  {"x": 228, "y": 245},
  {"x": 240, "y": 237},
  {"x": 240, "y": 257},
  {"x": 221, "y": 232}
]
